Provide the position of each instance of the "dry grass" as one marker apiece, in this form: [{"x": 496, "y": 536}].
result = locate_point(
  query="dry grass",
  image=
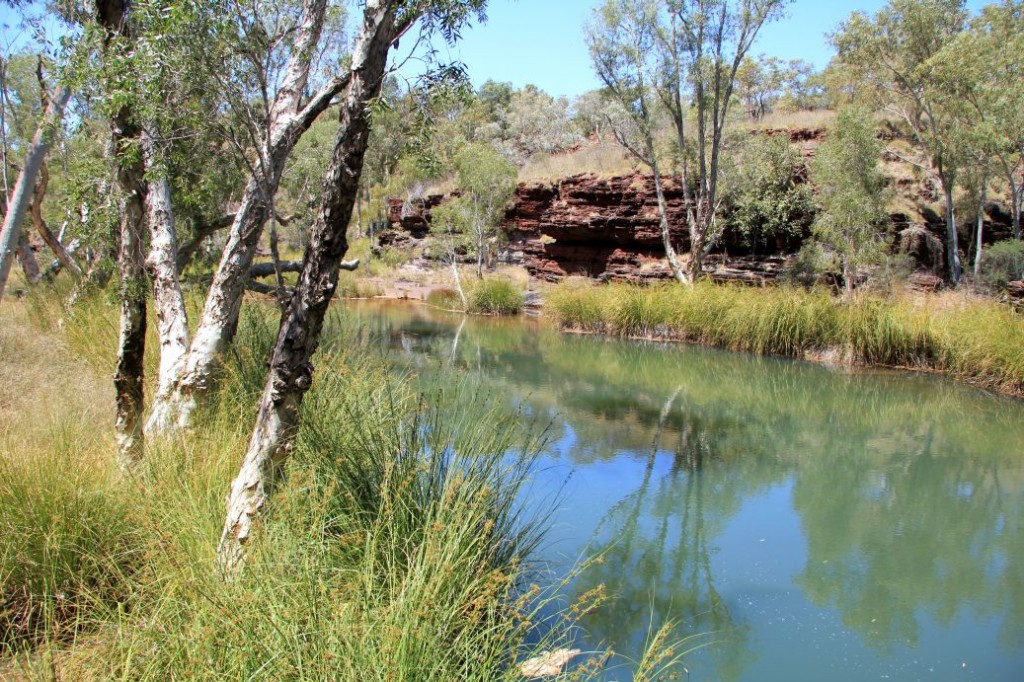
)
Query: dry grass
[
  {"x": 36, "y": 369},
  {"x": 605, "y": 159},
  {"x": 789, "y": 120}
]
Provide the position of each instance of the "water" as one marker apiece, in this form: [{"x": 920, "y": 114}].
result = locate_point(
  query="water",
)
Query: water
[{"x": 804, "y": 523}]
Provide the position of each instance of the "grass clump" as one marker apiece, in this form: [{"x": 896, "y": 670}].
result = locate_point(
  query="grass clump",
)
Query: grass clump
[
  {"x": 967, "y": 339},
  {"x": 395, "y": 550},
  {"x": 68, "y": 543},
  {"x": 446, "y": 299},
  {"x": 496, "y": 296},
  {"x": 68, "y": 539}
]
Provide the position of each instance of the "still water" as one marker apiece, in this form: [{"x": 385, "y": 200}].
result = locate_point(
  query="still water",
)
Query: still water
[{"x": 805, "y": 523}]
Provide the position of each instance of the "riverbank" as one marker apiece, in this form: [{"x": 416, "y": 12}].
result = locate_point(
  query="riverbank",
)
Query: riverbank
[
  {"x": 370, "y": 566},
  {"x": 968, "y": 339}
]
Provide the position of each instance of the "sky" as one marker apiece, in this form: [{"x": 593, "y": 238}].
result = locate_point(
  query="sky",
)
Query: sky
[{"x": 540, "y": 42}]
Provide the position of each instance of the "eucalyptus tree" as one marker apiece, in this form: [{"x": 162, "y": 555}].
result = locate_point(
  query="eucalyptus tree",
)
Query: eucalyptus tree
[
  {"x": 267, "y": 81},
  {"x": 669, "y": 53},
  {"x": 467, "y": 224},
  {"x": 21, "y": 199},
  {"x": 979, "y": 74},
  {"x": 530, "y": 122},
  {"x": 111, "y": 16},
  {"x": 487, "y": 182},
  {"x": 156, "y": 94},
  {"x": 851, "y": 193},
  {"x": 382, "y": 24},
  {"x": 890, "y": 56}
]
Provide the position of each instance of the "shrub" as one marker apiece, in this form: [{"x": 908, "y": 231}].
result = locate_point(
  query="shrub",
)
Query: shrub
[{"x": 1003, "y": 262}]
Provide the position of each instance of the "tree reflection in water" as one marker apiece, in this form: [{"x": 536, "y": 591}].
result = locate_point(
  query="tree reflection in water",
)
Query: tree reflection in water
[{"x": 908, "y": 493}]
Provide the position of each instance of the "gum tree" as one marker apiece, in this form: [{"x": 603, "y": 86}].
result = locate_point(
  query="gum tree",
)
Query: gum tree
[
  {"x": 682, "y": 56},
  {"x": 851, "y": 194},
  {"x": 980, "y": 73},
  {"x": 890, "y": 57},
  {"x": 380, "y": 26},
  {"x": 274, "y": 60}
]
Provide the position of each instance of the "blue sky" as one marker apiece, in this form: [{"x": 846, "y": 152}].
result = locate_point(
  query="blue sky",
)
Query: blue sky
[{"x": 541, "y": 41}]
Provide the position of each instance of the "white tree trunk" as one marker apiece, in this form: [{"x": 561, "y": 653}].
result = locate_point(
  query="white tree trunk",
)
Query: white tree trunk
[
  {"x": 458, "y": 283},
  {"x": 290, "y": 368},
  {"x": 18, "y": 204},
  {"x": 980, "y": 228},
  {"x": 954, "y": 267},
  {"x": 666, "y": 236},
  {"x": 172, "y": 319},
  {"x": 219, "y": 320}
]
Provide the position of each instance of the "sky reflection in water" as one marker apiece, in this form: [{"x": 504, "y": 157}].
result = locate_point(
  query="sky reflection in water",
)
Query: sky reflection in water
[{"x": 812, "y": 524}]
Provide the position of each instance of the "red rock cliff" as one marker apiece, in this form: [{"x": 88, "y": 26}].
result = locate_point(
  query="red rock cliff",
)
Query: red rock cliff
[{"x": 584, "y": 225}]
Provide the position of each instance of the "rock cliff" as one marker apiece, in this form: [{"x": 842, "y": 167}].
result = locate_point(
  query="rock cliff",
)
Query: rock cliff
[{"x": 605, "y": 228}]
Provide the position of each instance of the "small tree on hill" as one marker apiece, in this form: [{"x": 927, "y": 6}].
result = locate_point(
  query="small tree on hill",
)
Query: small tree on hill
[
  {"x": 852, "y": 219},
  {"x": 681, "y": 56},
  {"x": 486, "y": 182}
]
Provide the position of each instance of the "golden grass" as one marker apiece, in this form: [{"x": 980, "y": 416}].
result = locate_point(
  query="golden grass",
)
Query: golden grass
[
  {"x": 972, "y": 340},
  {"x": 789, "y": 120},
  {"x": 605, "y": 159},
  {"x": 42, "y": 384}
]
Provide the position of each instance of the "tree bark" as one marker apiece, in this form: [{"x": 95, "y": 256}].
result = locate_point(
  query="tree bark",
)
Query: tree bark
[
  {"x": 1016, "y": 193},
  {"x": 288, "y": 120},
  {"x": 172, "y": 318},
  {"x": 980, "y": 230},
  {"x": 953, "y": 265},
  {"x": 27, "y": 257},
  {"x": 299, "y": 335},
  {"x": 52, "y": 241},
  {"x": 128, "y": 375},
  {"x": 20, "y": 199}
]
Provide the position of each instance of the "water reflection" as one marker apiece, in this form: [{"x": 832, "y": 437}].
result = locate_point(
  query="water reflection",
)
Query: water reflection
[{"x": 820, "y": 524}]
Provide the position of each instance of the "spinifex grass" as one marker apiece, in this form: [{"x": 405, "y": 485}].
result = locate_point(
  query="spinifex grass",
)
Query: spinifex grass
[{"x": 968, "y": 339}]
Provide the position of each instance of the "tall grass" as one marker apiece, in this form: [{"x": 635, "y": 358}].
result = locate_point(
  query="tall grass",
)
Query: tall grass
[
  {"x": 971, "y": 340},
  {"x": 496, "y": 296},
  {"x": 396, "y": 548},
  {"x": 68, "y": 541}
]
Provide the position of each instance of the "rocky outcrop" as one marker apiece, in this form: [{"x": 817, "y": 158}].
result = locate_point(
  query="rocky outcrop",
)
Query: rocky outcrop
[
  {"x": 605, "y": 228},
  {"x": 608, "y": 228}
]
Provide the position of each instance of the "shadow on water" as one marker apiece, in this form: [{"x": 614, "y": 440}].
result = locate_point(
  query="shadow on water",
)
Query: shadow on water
[{"x": 816, "y": 524}]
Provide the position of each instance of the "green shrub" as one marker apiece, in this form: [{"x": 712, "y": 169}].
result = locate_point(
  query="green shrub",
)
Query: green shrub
[
  {"x": 1003, "y": 262},
  {"x": 496, "y": 296}
]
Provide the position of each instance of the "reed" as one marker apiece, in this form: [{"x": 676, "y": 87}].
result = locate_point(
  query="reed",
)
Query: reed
[
  {"x": 968, "y": 339},
  {"x": 495, "y": 296}
]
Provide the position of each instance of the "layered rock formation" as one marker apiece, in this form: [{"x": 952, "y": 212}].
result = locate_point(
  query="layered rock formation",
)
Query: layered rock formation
[
  {"x": 608, "y": 228},
  {"x": 602, "y": 228}
]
